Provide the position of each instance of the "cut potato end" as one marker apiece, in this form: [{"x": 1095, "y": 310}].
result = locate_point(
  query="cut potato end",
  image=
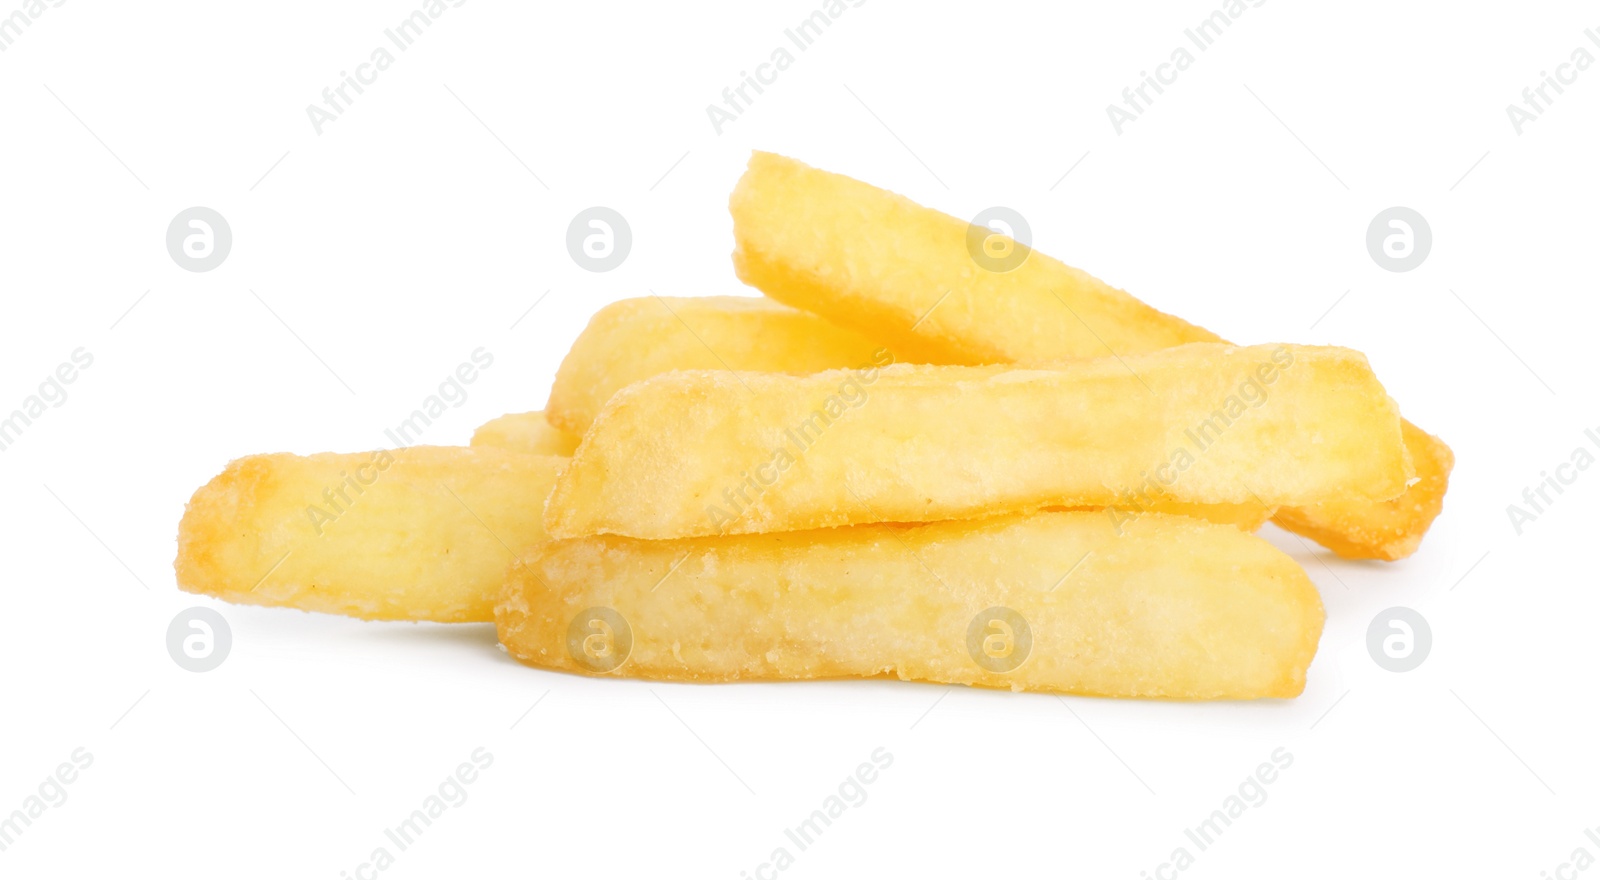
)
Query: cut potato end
[
  {"x": 1171, "y": 607},
  {"x": 423, "y": 533},
  {"x": 1386, "y": 530}
]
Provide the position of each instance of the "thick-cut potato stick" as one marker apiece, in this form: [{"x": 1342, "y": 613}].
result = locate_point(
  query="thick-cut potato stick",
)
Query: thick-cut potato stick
[
  {"x": 704, "y": 453},
  {"x": 635, "y": 339},
  {"x": 866, "y": 258},
  {"x": 608, "y": 356},
  {"x": 1171, "y": 607},
  {"x": 528, "y": 432},
  {"x": 423, "y": 533},
  {"x": 624, "y": 344}
]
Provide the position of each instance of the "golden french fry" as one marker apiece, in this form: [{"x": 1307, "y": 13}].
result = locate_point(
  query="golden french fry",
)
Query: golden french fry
[
  {"x": 704, "y": 453},
  {"x": 866, "y": 258},
  {"x": 414, "y": 534},
  {"x": 635, "y": 339},
  {"x": 528, "y": 432},
  {"x": 1172, "y": 607},
  {"x": 608, "y": 356},
  {"x": 929, "y": 285},
  {"x": 621, "y": 346},
  {"x": 1380, "y": 529}
]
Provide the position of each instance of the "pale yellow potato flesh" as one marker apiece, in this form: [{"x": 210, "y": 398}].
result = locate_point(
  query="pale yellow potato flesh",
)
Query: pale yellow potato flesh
[
  {"x": 703, "y": 453},
  {"x": 423, "y": 533},
  {"x": 1171, "y": 607},
  {"x": 635, "y": 339},
  {"x": 866, "y": 258},
  {"x": 1248, "y": 515},
  {"x": 528, "y": 432}
]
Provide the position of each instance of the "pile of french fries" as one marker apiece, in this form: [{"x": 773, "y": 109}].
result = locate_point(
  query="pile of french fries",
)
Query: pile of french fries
[{"x": 903, "y": 462}]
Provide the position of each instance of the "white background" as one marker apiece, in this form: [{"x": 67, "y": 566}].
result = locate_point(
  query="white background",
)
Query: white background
[{"x": 414, "y": 230}]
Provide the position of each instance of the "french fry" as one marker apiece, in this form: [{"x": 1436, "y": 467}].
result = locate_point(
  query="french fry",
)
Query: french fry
[
  {"x": 635, "y": 339},
  {"x": 423, "y": 533},
  {"x": 606, "y": 358},
  {"x": 866, "y": 258},
  {"x": 621, "y": 347},
  {"x": 704, "y": 453},
  {"x": 869, "y": 259},
  {"x": 1380, "y": 529},
  {"x": 528, "y": 432},
  {"x": 1171, "y": 607}
]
